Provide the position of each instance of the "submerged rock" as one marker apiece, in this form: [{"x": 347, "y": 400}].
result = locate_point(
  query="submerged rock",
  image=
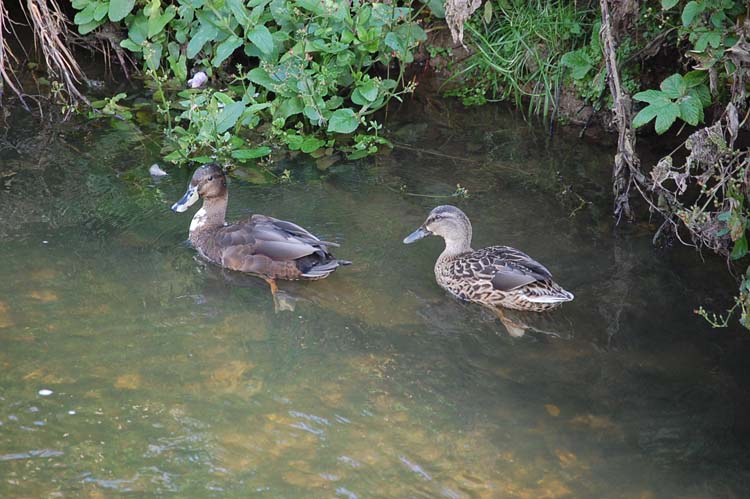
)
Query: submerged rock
[{"x": 156, "y": 171}]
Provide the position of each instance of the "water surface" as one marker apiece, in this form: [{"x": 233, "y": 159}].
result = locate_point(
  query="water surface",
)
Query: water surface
[{"x": 170, "y": 376}]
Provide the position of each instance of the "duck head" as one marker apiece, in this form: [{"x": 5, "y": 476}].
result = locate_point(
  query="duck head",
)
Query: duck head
[
  {"x": 208, "y": 182},
  {"x": 448, "y": 222}
]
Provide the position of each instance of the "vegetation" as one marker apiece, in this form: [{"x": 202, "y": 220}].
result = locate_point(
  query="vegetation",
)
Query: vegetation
[{"x": 518, "y": 48}]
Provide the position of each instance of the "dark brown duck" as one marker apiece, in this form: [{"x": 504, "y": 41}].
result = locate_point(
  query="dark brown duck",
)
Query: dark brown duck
[{"x": 261, "y": 245}]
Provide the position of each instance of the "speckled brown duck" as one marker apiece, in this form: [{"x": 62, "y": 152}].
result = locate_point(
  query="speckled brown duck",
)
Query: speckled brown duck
[
  {"x": 260, "y": 245},
  {"x": 497, "y": 276}
]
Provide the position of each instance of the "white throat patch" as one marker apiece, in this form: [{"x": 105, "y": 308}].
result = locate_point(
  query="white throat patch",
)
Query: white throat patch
[{"x": 199, "y": 219}]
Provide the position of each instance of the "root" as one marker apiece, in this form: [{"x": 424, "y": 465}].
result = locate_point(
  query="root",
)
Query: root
[
  {"x": 50, "y": 27},
  {"x": 51, "y": 35},
  {"x": 8, "y": 59}
]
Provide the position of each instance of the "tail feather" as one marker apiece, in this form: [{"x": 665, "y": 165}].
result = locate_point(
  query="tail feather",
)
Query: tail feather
[
  {"x": 323, "y": 270},
  {"x": 560, "y": 297}
]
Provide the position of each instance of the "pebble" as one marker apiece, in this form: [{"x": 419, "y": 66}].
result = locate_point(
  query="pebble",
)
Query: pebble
[
  {"x": 44, "y": 392},
  {"x": 156, "y": 171},
  {"x": 72, "y": 412},
  {"x": 197, "y": 80}
]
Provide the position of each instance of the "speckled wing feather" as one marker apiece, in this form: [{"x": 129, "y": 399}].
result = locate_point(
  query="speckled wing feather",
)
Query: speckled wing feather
[{"x": 509, "y": 268}]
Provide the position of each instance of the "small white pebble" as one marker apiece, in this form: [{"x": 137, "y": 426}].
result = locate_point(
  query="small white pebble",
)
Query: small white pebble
[
  {"x": 45, "y": 392},
  {"x": 156, "y": 171},
  {"x": 72, "y": 412},
  {"x": 45, "y": 242}
]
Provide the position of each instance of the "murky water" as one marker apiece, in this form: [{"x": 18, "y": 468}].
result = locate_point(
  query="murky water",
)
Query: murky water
[{"x": 128, "y": 365}]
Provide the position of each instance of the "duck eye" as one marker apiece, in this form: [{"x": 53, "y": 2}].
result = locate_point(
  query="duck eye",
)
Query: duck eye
[{"x": 210, "y": 178}]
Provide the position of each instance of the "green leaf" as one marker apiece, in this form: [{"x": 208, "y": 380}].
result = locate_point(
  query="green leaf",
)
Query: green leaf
[
  {"x": 205, "y": 33},
  {"x": 740, "y": 248},
  {"x": 256, "y": 152},
  {"x": 702, "y": 93},
  {"x": 289, "y": 107},
  {"x": 436, "y": 7},
  {"x": 86, "y": 15},
  {"x": 394, "y": 42},
  {"x": 714, "y": 39},
  {"x": 173, "y": 157},
  {"x": 89, "y": 27},
  {"x": 487, "y": 12},
  {"x": 138, "y": 29},
  {"x": 369, "y": 90},
  {"x": 229, "y": 116},
  {"x": 156, "y": 23},
  {"x": 578, "y": 62},
  {"x": 652, "y": 97},
  {"x": 674, "y": 86},
  {"x": 239, "y": 11},
  {"x": 118, "y": 9},
  {"x": 358, "y": 154},
  {"x": 645, "y": 115},
  {"x": 343, "y": 121},
  {"x": 666, "y": 117},
  {"x": 313, "y": 115},
  {"x": 315, "y": 6},
  {"x": 334, "y": 102},
  {"x": 153, "y": 51},
  {"x": 695, "y": 78},
  {"x": 128, "y": 44},
  {"x": 691, "y": 110},
  {"x": 260, "y": 76},
  {"x": 100, "y": 11},
  {"x": 311, "y": 144},
  {"x": 668, "y": 4},
  {"x": 691, "y": 10},
  {"x": 225, "y": 49},
  {"x": 294, "y": 141},
  {"x": 178, "y": 67},
  {"x": 261, "y": 38}
]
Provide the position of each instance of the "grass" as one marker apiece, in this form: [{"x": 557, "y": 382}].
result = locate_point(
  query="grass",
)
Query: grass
[{"x": 518, "y": 50}]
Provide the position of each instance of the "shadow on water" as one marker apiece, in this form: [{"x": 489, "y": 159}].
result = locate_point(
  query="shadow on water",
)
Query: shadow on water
[{"x": 168, "y": 375}]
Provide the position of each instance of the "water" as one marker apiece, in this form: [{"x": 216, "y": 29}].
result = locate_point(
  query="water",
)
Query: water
[{"x": 169, "y": 376}]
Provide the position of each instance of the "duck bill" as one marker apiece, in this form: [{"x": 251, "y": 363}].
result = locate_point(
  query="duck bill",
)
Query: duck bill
[
  {"x": 417, "y": 235},
  {"x": 190, "y": 197}
]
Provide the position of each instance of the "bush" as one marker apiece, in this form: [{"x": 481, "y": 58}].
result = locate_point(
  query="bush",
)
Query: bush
[{"x": 303, "y": 72}]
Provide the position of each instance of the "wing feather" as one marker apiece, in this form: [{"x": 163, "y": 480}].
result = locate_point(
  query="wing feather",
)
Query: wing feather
[
  {"x": 509, "y": 268},
  {"x": 276, "y": 239}
]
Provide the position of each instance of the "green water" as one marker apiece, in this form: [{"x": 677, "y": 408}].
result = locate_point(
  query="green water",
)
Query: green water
[{"x": 171, "y": 377}]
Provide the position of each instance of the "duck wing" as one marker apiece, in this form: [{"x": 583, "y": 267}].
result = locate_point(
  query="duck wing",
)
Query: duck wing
[
  {"x": 509, "y": 268},
  {"x": 276, "y": 239}
]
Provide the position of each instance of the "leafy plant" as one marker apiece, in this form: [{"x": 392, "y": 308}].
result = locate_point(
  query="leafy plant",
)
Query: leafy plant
[
  {"x": 587, "y": 67},
  {"x": 316, "y": 69},
  {"x": 677, "y": 97}
]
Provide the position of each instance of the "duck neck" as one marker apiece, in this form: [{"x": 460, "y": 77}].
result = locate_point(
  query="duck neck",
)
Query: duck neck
[
  {"x": 210, "y": 215},
  {"x": 455, "y": 246}
]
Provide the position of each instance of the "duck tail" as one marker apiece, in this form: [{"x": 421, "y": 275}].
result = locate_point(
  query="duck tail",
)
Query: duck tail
[
  {"x": 324, "y": 269},
  {"x": 553, "y": 296}
]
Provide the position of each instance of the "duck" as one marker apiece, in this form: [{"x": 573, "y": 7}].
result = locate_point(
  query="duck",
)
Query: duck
[
  {"x": 260, "y": 245},
  {"x": 496, "y": 276}
]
